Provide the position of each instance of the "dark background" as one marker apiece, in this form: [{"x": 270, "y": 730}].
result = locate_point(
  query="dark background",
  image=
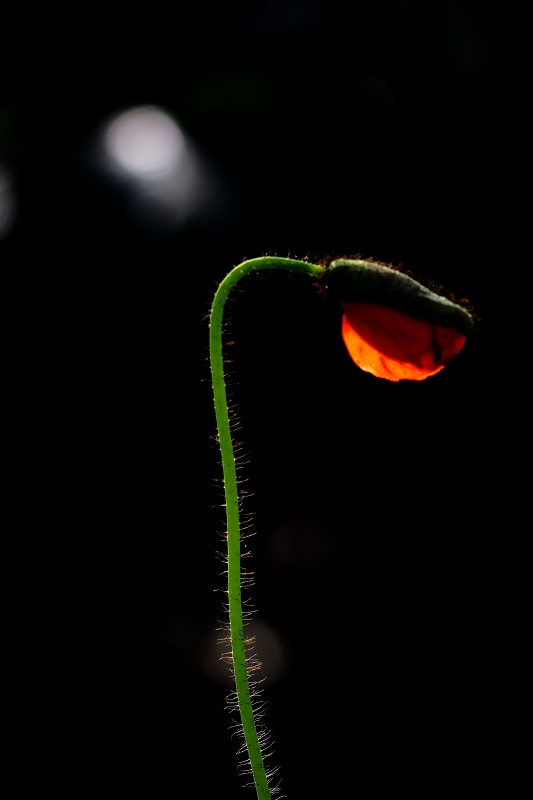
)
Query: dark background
[{"x": 393, "y": 552}]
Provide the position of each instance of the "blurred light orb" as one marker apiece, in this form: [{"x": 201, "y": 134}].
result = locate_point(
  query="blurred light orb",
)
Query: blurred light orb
[
  {"x": 7, "y": 204},
  {"x": 145, "y": 142},
  {"x": 268, "y": 649}
]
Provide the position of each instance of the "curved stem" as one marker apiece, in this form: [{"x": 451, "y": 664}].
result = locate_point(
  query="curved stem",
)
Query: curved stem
[{"x": 232, "y": 501}]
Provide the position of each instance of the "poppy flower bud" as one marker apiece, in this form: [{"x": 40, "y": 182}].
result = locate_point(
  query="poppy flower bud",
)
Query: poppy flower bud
[{"x": 393, "y": 326}]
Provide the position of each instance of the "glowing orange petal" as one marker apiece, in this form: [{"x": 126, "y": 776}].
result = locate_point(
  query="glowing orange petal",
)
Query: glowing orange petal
[{"x": 395, "y": 346}]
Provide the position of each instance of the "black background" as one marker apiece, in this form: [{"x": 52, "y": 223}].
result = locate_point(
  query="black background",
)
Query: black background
[{"x": 390, "y": 129}]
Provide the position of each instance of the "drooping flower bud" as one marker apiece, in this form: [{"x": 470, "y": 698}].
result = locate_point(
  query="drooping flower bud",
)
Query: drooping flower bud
[{"x": 393, "y": 326}]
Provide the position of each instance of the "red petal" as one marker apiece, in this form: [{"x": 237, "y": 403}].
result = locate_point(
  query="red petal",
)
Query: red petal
[{"x": 395, "y": 346}]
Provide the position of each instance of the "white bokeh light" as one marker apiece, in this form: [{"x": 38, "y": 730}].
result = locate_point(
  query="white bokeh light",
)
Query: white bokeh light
[
  {"x": 164, "y": 182},
  {"x": 145, "y": 142}
]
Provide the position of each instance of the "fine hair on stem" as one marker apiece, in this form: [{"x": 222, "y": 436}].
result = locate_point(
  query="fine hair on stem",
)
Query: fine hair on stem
[{"x": 245, "y": 700}]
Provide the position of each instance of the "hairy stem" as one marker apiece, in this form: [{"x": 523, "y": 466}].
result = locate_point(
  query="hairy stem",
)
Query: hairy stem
[{"x": 232, "y": 502}]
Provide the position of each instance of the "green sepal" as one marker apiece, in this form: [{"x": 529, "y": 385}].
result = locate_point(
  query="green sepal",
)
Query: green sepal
[{"x": 367, "y": 282}]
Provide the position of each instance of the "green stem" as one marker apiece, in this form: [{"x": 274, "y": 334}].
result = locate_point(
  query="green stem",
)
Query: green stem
[{"x": 232, "y": 502}]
